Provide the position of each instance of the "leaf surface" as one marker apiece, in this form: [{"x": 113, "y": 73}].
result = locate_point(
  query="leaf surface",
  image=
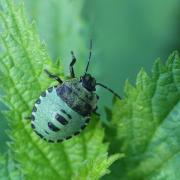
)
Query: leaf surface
[
  {"x": 148, "y": 124},
  {"x": 22, "y": 61},
  {"x": 9, "y": 170}
]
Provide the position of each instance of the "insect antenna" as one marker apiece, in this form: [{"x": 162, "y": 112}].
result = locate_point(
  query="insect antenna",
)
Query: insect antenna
[
  {"x": 110, "y": 90},
  {"x": 90, "y": 53}
]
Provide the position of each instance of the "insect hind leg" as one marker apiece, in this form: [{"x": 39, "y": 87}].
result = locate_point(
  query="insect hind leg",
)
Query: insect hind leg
[
  {"x": 28, "y": 118},
  {"x": 95, "y": 111},
  {"x": 71, "y": 65}
]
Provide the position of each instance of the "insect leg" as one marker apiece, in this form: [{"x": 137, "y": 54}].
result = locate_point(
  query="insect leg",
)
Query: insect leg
[
  {"x": 53, "y": 76},
  {"x": 27, "y": 117},
  {"x": 72, "y": 64},
  {"x": 95, "y": 111}
]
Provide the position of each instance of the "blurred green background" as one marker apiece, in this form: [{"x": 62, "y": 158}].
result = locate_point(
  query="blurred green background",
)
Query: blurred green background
[{"x": 127, "y": 35}]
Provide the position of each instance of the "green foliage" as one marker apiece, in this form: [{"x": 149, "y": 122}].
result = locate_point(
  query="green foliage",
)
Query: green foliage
[
  {"x": 148, "y": 124},
  {"x": 22, "y": 61},
  {"x": 3, "y": 135},
  {"x": 9, "y": 169},
  {"x": 130, "y": 35},
  {"x": 145, "y": 124}
]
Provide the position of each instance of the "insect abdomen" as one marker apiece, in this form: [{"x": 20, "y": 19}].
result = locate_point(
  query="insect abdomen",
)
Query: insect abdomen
[{"x": 54, "y": 120}]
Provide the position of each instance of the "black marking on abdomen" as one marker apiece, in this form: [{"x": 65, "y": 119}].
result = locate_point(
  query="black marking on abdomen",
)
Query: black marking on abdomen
[
  {"x": 59, "y": 140},
  {"x": 51, "y": 141},
  {"x": 43, "y": 94},
  {"x": 34, "y": 109},
  {"x": 32, "y": 125},
  {"x": 68, "y": 115},
  {"x": 50, "y": 89},
  {"x": 44, "y": 139},
  {"x": 69, "y": 137},
  {"x": 76, "y": 133},
  {"x": 40, "y": 135},
  {"x": 53, "y": 127},
  {"x": 38, "y": 101},
  {"x": 46, "y": 132},
  {"x": 83, "y": 126},
  {"x": 61, "y": 119},
  {"x": 87, "y": 120},
  {"x": 32, "y": 117}
]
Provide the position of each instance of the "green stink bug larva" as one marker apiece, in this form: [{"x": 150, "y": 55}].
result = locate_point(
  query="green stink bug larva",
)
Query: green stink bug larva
[{"x": 65, "y": 110}]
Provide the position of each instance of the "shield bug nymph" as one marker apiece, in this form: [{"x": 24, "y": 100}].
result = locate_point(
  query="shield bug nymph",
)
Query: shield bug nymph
[{"x": 64, "y": 110}]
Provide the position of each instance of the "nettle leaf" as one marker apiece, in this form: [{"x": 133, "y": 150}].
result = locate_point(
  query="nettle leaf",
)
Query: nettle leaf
[
  {"x": 9, "y": 169},
  {"x": 148, "y": 123},
  {"x": 22, "y": 61},
  {"x": 3, "y": 134}
]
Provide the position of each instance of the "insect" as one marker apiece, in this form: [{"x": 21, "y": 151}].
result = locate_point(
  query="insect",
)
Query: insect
[{"x": 64, "y": 110}]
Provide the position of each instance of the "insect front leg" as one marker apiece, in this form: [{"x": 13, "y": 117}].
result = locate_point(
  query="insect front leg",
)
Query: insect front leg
[
  {"x": 71, "y": 65},
  {"x": 53, "y": 76}
]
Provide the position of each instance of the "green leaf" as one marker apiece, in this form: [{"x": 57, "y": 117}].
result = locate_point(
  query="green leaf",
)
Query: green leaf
[
  {"x": 22, "y": 61},
  {"x": 148, "y": 123},
  {"x": 9, "y": 169},
  {"x": 3, "y": 135}
]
